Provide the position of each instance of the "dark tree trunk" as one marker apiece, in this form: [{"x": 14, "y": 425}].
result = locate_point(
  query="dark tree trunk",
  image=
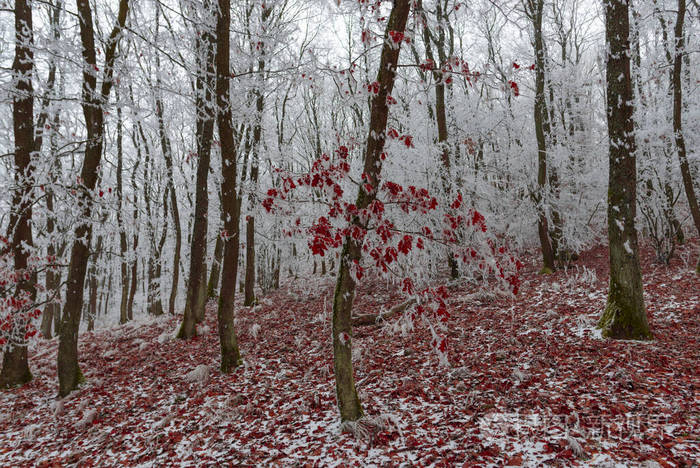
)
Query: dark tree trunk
[
  {"x": 249, "y": 283},
  {"x": 69, "y": 374},
  {"x": 215, "y": 273},
  {"x": 278, "y": 267},
  {"x": 257, "y": 134},
  {"x": 194, "y": 305},
  {"x": 123, "y": 246},
  {"x": 624, "y": 316},
  {"x": 230, "y": 354},
  {"x": 15, "y": 368},
  {"x": 133, "y": 276},
  {"x": 167, "y": 155},
  {"x": 678, "y": 122},
  {"x": 134, "y": 263},
  {"x": 536, "y": 9},
  {"x": 346, "y": 393},
  {"x": 202, "y": 297},
  {"x": 104, "y": 298},
  {"x": 52, "y": 311},
  {"x": 155, "y": 289},
  {"x": 93, "y": 289},
  {"x": 440, "y": 112}
]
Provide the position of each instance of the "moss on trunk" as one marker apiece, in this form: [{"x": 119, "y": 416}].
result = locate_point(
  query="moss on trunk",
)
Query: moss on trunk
[
  {"x": 624, "y": 316},
  {"x": 15, "y": 368}
]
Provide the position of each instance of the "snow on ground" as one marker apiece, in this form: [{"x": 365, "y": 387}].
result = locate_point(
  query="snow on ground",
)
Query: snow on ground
[{"x": 530, "y": 382}]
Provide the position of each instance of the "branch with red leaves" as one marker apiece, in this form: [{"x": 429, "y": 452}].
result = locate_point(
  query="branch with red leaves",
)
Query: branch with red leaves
[{"x": 452, "y": 225}]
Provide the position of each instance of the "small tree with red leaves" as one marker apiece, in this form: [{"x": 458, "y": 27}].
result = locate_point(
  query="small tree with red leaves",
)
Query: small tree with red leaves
[
  {"x": 400, "y": 228},
  {"x": 375, "y": 232}
]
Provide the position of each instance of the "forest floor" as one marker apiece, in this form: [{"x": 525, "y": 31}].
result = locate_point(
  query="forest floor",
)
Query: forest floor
[{"x": 530, "y": 382}]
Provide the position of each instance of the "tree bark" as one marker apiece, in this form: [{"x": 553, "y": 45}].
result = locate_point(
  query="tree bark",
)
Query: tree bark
[
  {"x": 194, "y": 305},
  {"x": 155, "y": 289},
  {"x": 346, "y": 393},
  {"x": 69, "y": 374},
  {"x": 167, "y": 155},
  {"x": 625, "y": 315},
  {"x": 123, "y": 246},
  {"x": 230, "y": 354},
  {"x": 93, "y": 286},
  {"x": 440, "y": 113},
  {"x": 133, "y": 276},
  {"x": 15, "y": 368},
  {"x": 249, "y": 292},
  {"x": 249, "y": 283},
  {"x": 215, "y": 273},
  {"x": 52, "y": 311},
  {"x": 536, "y": 8},
  {"x": 678, "y": 120}
]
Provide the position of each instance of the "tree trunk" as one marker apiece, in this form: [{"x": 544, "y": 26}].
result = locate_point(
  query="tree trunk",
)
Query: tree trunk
[
  {"x": 678, "y": 122},
  {"x": 346, "y": 393},
  {"x": 205, "y": 127},
  {"x": 215, "y": 273},
  {"x": 123, "y": 246},
  {"x": 536, "y": 8},
  {"x": 625, "y": 315},
  {"x": 202, "y": 297},
  {"x": 92, "y": 290},
  {"x": 134, "y": 270},
  {"x": 230, "y": 354},
  {"x": 105, "y": 297},
  {"x": 278, "y": 268},
  {"x": 69, "y": 374},
  {"x": 167, "y": 155},
  {"x": 249, "y": 288},
  {"x": 257, "y": 134},
  {"x": 440, "y": 114},
  {"x": 15, "y": 368},
  {"x": 52, "y": 311},
  {"x": 133, "y": 276},
  {"x": 155, "y": 290}
]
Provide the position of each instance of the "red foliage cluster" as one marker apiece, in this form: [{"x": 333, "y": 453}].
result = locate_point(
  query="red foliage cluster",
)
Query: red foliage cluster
[
  {"x": 454, "y": 226},
  {"x": 398, "y": 36},
  {"x": 514, "y": 86},
  {"x": 428, "y": 65},
  {"x": 17, "y": 310}
]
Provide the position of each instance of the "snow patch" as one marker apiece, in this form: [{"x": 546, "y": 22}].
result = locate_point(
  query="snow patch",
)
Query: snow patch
[
  {"x": 627, "y": 247},
  {"x": 199, "y": 375},
  {"x": 87, "y": 419}
]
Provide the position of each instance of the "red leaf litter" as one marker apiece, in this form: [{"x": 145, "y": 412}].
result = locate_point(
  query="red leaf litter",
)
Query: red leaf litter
[{"x": 530, "y": 382}]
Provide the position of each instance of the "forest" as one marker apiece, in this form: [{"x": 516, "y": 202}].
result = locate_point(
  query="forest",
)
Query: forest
[{"x": 350, "y": 233}]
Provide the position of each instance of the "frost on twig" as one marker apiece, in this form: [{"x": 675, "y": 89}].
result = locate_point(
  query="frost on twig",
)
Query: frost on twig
[{"x": 575, "y": 447}]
